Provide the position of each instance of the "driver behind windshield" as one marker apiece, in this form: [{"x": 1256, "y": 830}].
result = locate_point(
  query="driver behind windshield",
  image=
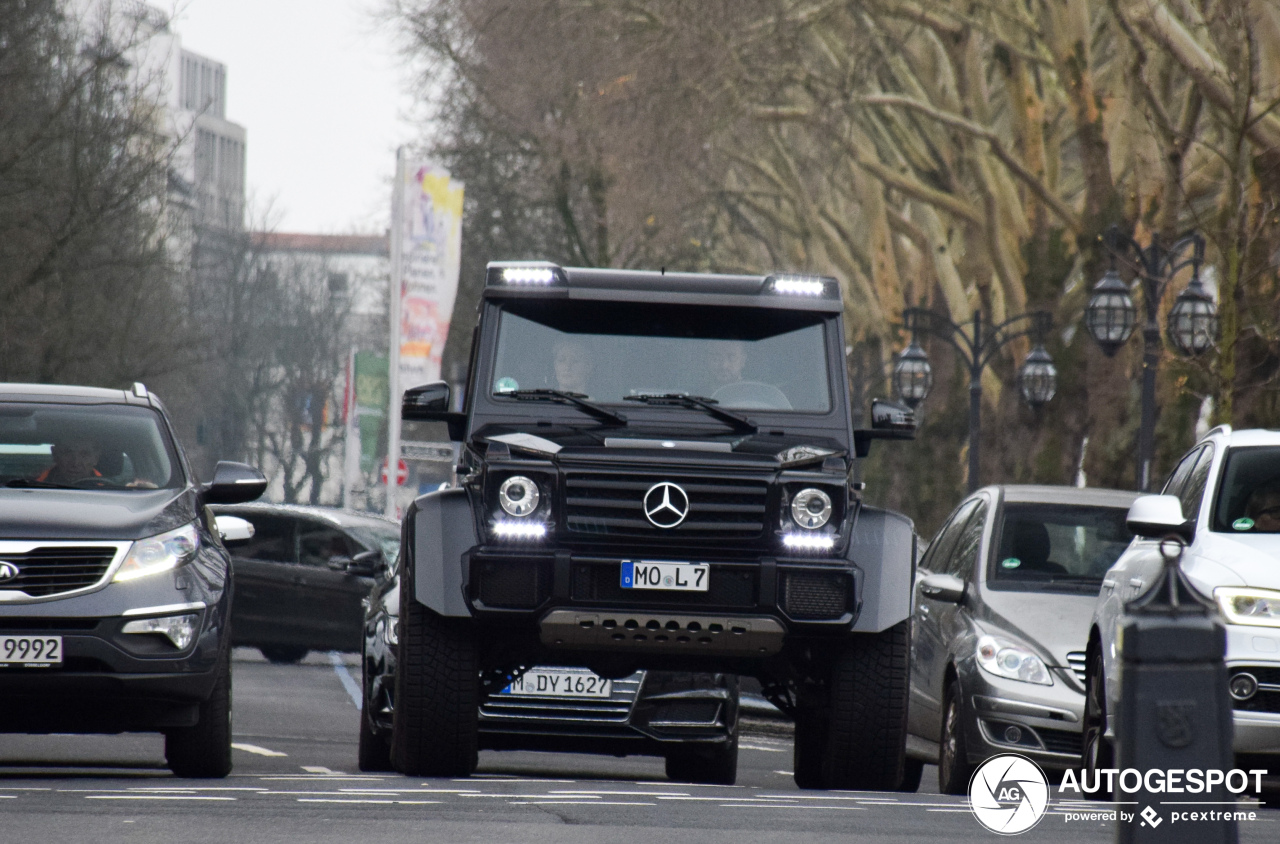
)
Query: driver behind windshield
[
  {"x": 1264, "y": 507},
  {"x": 573, "y": 366},
  {"x": 74, "y": 459}
]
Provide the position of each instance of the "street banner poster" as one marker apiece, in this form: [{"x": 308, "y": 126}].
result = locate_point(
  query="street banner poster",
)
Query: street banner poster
[
  {"x": 426, "y": 252},
  {"x": 370, "y": 408}
]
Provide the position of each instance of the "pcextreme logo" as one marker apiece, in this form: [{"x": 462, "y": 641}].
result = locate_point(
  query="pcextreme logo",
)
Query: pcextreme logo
[{"x": 1008, "y": 794}]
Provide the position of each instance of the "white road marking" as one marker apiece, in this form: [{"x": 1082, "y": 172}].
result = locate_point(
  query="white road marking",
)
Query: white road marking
[
  {"x": 408, "y": 791},
  {"x": 785, "y": 773},
  {"x": 253, "y": 748},
  {"x": 335, "y": 800},
  {"x": 8, "y": 797},
  {"x": 319, "y": 777},
  {"x": 758, "y": 747},
  {"x": 319, "y": 769},
  {"x": 153, "y": 797},
  {"x": 577, "y": 803},
  {"x": 625, "y": 793},
  {"x": 792, "y": 806},
  {"x": 348, "y": 682}
]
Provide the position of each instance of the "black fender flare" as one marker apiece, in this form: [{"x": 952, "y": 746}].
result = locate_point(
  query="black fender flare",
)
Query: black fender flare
[
  {"x": 439, "y": 528},
  {"x": 883, "y": 548}
]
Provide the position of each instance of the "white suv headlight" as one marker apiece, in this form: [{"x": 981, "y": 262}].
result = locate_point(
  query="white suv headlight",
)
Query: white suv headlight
[
  {"x": 160, "y": 553},
  {"x": 1004, "y": 659},
  {"x": 1259, "y": 607}
]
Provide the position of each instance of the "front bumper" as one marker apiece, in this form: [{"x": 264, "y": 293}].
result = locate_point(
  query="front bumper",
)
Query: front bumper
[
  {"x": 1040, "y": 722},
  {"x": 1256, "y": 650}
]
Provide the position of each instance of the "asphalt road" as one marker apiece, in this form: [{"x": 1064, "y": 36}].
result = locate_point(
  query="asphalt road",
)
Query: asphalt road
[{"x": 296, "y": 780}]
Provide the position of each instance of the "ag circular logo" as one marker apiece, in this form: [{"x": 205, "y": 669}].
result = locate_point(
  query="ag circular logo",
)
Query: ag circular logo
[
  {"x": 666, "y": 504},
  {"x": 1008, "y": 794}
]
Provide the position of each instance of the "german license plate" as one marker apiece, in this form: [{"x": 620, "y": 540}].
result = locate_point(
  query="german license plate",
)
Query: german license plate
[
  {"x": 679, "y": 577},
  {"x": 30, "y": 650},
  {"x": 549, "y": 682}
]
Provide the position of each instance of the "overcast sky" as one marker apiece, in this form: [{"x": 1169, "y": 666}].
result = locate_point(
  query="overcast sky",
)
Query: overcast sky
[{"x": 319, "y": 88}]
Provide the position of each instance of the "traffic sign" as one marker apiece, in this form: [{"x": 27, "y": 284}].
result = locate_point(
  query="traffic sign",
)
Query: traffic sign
[{"x": 402, "y": 473}]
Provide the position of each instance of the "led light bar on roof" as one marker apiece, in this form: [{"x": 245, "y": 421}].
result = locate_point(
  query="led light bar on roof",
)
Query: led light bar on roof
[
  {"x": 809, "y": 542},
  {"x": 524, "y": 274},
  {"x": 801, "y": 285},
  {"x": 528, "y": 275}
]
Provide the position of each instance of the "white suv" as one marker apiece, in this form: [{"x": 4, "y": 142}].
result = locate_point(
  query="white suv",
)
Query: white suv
[{"x": 1228, "y": 489}]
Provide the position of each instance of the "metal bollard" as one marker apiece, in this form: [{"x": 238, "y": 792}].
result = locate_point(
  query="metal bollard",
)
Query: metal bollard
[{"x": 1175, "y": 710}]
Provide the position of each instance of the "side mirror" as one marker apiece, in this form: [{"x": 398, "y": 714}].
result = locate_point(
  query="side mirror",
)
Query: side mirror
[
  {"x": 233, "y": 529},
  {"x": 889, "y": 421},
  {"x": 234, "y": 483},
  {"x": 942, "y": 587},
  {"x": 364, "y": 564},
  {"x": 430, "y": 403},
  {"x": 1157, "y": 516}
]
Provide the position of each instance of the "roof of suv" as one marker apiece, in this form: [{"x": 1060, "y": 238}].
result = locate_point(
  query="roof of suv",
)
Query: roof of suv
[
  {"x": 1033, "y": 494},
  {"x": 69, "y": 394},
  {"x": 1244, "y": 438}
]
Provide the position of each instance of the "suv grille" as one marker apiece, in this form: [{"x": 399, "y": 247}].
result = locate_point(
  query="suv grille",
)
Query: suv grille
[
  {"x": 613, "y": 505},
  {"x": 615, "y": 709},
  {"x": 1078, "y": 661},
  {"x": 815, "y": 594},
  {"x": 52, "y": 571}
]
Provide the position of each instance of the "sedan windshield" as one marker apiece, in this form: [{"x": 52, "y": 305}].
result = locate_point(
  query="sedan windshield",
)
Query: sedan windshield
[
  {"x": 378, "y": 537},
  {"x": 1249, "y": 496},
  {"x": 738, "y": 358},
  {"x": 1052, "y": 546},
  {"x": 85, "y": 447}
]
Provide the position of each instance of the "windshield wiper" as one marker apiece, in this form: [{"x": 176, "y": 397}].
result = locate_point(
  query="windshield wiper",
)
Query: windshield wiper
[
  {"x": 711, "y": 406},
  {"x": 566, "y": 397},
  {"x": 27, "y": 483}
]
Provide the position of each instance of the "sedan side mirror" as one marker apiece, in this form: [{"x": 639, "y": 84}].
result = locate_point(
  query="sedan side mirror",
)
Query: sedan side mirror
[
  {"x": 942, "y": 587},
  {"x": 233, "y": 529},
  {"x": 364, "y": 564},
  {"x": 430, "y": 403},
  {"x": 1157, "y": 516},
  {"x": 234, "y": 483}
]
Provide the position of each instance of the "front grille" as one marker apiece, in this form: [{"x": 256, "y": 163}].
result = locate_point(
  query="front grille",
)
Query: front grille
[
  {"x": 52, "y": 571},
  {"x": 1267, "y": 698},
  {"x": 1078, "y": 660},
  {"x": 815, "y": 594},
  {"x": 530, "y": 711},
  {"x": 613, "y": 505},
  {"x": 728, "y": 586},
  {"x": 510, "y": 584},
  {"x": 1061, "y": 741}
]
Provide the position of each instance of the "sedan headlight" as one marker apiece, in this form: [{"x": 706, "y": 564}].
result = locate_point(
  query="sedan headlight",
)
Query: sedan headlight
[
  {"x": 811, "y": 508},
  {"x": 161, "y": 553},
  {"x": 1004, "y": 659},
  {"x": 1259, "y": 607},
  {"x": 518, "y": 496}
]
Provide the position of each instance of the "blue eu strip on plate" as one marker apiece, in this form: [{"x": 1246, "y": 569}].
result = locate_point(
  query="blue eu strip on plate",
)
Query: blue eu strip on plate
[{"x": 628, "y": 575}]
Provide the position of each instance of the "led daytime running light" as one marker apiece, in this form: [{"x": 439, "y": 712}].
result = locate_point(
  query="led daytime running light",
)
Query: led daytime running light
[
  {"x": 160, "y": 553},
  {"x": 519, "y": 530},
  {"x": 808, "y": 542},
  {"x": 1256, "y": 607}
]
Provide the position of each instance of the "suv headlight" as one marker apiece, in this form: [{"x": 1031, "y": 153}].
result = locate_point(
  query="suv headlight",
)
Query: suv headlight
[
  {"x": 811, "y": 508},
  {"x": 1259, "y": 607},
  {"x": 1014, "y": 662},
  {"x": 518, "y": 496},
  {"x": 160, "y": 553}
]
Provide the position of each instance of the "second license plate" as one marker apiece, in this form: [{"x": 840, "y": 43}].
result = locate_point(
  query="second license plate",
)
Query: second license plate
[
  {"x": 548, "y": 682},
  {"x": 30, "y": 650},
  {"x": 681, "y": 577}
]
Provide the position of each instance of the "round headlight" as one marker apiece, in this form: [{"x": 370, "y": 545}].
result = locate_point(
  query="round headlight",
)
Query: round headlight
[
  {"x": 518, "y": 496},
  {"x": 811, "y": 508}
]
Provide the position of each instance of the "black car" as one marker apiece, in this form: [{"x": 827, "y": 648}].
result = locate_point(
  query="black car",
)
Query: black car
[
  {"x": 115, "y": 588},
  {"x": 301, "y": 580},
  {"x": 656, "y": 473},
  {"x": 691, "y": 720}
]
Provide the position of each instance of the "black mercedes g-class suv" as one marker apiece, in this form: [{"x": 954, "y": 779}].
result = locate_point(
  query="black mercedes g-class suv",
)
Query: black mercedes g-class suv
[
  {"x": 115, "y": 587},
  {"x": 656, "y": 472}
]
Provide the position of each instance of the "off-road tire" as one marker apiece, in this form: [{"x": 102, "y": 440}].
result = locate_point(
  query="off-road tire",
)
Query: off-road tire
[
  {"x": 857, "y": 738},
  {"x": 284, "y": 654},
  {"x": 1096, "y": 752},
  {"x": 437, "y": 694},
  {"x": 715, "y": 764},
  {"x": 374, "y": 751},
  {"x": 203, "y": 751},
  {"x": 954, "y": 770}
]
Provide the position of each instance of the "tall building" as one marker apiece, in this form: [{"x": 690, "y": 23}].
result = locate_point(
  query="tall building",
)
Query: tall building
[{"x": 214, "y": 147}]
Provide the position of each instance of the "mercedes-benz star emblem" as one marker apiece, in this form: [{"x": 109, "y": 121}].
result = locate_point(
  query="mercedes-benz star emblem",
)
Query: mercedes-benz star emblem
[
  {"x": 8, "y": 571},
  {"x": 666, "y": 504}
]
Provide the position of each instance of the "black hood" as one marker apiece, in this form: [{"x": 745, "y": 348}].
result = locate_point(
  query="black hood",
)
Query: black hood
[
  {"x": 93, "y": 514},
  {"x": 565, "y": 444}
]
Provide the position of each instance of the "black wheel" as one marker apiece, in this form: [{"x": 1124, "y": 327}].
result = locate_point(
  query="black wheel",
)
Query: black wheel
[
  {"x": 283, "y": 654},
  {"x": 374, "y": 750},
  {"x": 1097, "y": 753},
  {"x": 437, "y": 694},
  {"x": 954, "y": 770},
  {"x": 716, "y": 764},
  {"x": 912, "y": 773},
  {"x": 204, "y": 750},
  {"x": 857, "y": 738}
]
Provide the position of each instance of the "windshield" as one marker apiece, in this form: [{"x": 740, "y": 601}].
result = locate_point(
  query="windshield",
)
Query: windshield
[
  {"x": 1249, "y": 495},
  {"x": 1046, "y": 546},
  {"x": 85, "y": 447},
  {"x": 743, "y": 358},
  {"x": 385, "y": 539}
]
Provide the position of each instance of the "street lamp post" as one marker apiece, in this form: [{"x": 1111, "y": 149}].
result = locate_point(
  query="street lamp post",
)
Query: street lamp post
[
  {"x": 1037, "y": 378},
  {"x": 1111, "y": 316}
]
